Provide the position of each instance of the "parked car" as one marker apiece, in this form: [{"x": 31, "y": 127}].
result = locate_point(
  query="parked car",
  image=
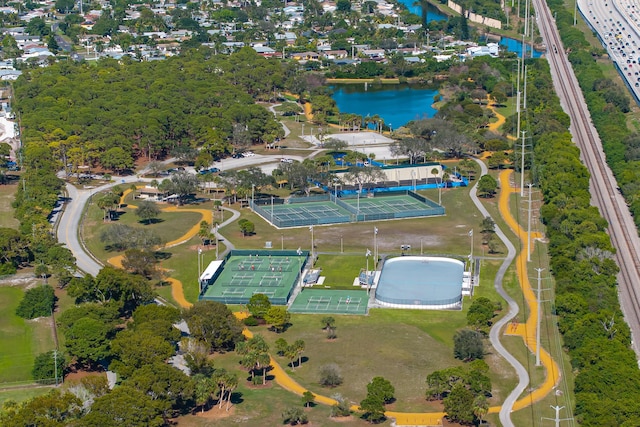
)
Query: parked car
[
  {"x": 237, "y": 155},
  {"x": 286, "y": 160},
  {"x": 248, "y": 154},
  {"x": 211, "y": 170}
]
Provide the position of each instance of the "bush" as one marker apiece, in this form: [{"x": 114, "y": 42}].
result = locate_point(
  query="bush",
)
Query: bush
[
  {"x": 342, "y": 408},
  {"x": 330, "y": 375},
  {"x": 37, "y": 302},
  {"x": 44, "y": 370},
  {"x": 7, "y": 268},
  {"x": 250, "y": 321},
  {"x": 468, "y": 345}
]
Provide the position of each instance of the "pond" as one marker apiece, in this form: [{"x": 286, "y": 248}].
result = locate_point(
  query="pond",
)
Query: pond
[
  {"x": 433, "y": 14},
  {"x": 397, "y": 104}
]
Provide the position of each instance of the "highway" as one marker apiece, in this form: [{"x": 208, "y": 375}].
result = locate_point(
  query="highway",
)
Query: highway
[
  {"x": 617, "y": 23},
  {"x": 603, "y": 186}
]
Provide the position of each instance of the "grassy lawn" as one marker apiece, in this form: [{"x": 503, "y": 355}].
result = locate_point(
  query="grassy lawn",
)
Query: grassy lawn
[
  {"x": 20, "y": 395},
  {"x": 20, "y": 340},
  {"x": 403, "y": 346},
  {"x": 7, "y": 194},
  {"x": 170, "y": 226}
]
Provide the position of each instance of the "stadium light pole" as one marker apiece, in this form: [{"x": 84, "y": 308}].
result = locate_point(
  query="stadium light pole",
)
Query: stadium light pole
[
  {"x": 253, "y": 193},
  {"x": 215, "y": 233},
  {"x": 471, "y": 255},
  {"x": 312, "y": 244},
  {"x": 375, "y": 248}
]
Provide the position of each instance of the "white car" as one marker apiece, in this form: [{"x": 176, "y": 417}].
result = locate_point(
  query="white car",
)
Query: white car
[
  {"x": 248, "y": 154},
  {"x": 285, "y": 160}
]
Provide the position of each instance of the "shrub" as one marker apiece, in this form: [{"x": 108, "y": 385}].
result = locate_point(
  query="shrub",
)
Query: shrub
[
  {"x": 250, "y": 321},
  {"x": 330, "y": 375},
  {"x": 37, "y": 302},
  {"x": 468, "y": 345},
  {"x": 342, "y": 408}
]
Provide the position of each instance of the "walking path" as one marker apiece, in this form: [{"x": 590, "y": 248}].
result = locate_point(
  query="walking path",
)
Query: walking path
[
  {"x": 177, "y": 291},
  {"x": 495, "y": 126},
  {"x": 527, "y": 330}
]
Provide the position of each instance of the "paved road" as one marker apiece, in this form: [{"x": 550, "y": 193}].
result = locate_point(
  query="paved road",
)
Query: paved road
[
  {"x": 496, "y": 330},
  {"x": 69, "y": 224},
  {"x": 616, "y": 22}
]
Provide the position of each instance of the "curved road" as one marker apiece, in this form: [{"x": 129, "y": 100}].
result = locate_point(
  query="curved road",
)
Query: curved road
[{"x": 69, "y": 225}]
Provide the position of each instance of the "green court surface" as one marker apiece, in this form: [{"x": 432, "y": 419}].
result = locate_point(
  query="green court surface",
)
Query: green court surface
[
  {"x": 389, "y": 204},
  {"x": 305, "y": 213},
  {"x": 328, "y": 209},
  {"x": 330, "y": 301},
  {"x": 245, "y": 273}
]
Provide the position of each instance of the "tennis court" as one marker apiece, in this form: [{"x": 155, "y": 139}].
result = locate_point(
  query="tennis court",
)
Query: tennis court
[
  {"x": 330, "y": 302},
  {"x": 389, "y": 204},
  {"x": 329, "y": 209},
  {"x": 303, "y": 213},
  {"x": 245, "y": 273}
]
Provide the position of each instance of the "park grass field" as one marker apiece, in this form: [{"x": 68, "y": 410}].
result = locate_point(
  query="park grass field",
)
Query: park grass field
[
  {"x": 439, "y": 235},
  {"x": 171, "y": 225},
  {"x": 19, "y": 395},
  {"x": 7, "y": 194},
  {"x": 20, "y": 340}
]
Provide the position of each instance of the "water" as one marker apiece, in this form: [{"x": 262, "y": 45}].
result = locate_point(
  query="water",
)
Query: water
[
  {"x": 515, "y": 46},
  {"x": 433, "y": 14},
  {"x": 396, "y": 104}
]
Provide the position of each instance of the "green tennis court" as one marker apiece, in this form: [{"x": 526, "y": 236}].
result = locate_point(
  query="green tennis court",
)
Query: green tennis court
[
  {"x": 245, "y": 273},
  {"x": 329, "y": 209},
  {"x": 330, "y": 301},
  {"x": 388, "y": 204}
]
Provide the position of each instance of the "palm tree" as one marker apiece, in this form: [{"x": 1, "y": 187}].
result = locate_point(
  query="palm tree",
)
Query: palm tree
[
  {"x": 299, "y": 348},
  {"x": 480, "y": 407}
]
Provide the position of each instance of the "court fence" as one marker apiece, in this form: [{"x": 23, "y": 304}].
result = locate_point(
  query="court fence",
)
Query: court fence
[
  {"x": 274, "y": 218},
  {"x": 432, "y": 208},
  {"x": 265, "y": 208},
  {"x": 229, "y": 298}
]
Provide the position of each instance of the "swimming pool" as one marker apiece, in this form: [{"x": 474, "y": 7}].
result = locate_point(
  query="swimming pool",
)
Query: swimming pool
[{"x": 421, "y": 282}]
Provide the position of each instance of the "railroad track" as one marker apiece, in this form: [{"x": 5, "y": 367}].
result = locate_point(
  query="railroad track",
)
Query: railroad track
[{"x": 604, "y": 188}]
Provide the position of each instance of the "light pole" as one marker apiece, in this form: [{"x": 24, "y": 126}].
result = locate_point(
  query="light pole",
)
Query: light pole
[
  {"x": 215, "y": 233},
  {"x": 471, "y": 255},
  {"x": 312, "y": 244},
  {"x": 253, "y": 193},
  {"x": 375, "y": 248}
]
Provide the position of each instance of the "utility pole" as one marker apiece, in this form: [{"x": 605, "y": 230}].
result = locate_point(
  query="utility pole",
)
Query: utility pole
[
  {"x": 539, "y": 270},
  {"x": 55, "y": 364},
  {"x": 522, "y": 167},
  {"x": 557, "y": 419},
  {"x": 529, "y": 227}
]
